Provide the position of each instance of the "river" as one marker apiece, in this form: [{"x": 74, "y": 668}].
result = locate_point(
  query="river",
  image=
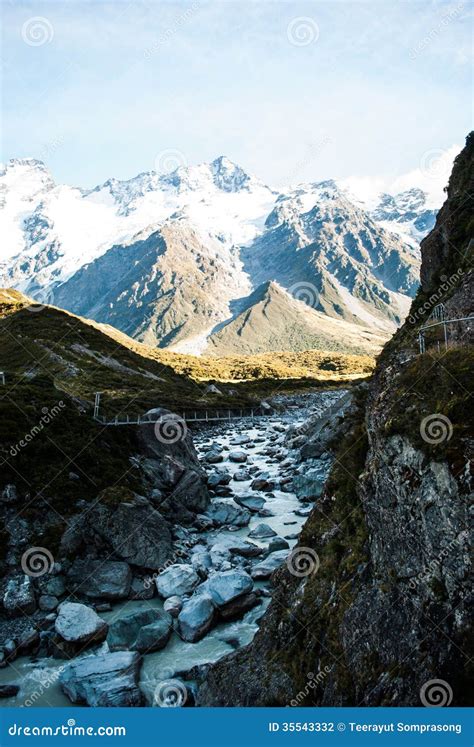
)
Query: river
[{"x": 267, "y": 455}]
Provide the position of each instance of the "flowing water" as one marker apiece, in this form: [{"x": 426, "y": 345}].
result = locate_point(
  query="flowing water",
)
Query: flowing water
[{"x": 38, "y": 679}]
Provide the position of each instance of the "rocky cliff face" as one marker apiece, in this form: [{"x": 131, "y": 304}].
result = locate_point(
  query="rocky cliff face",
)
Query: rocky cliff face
[
  {"x": 102, "y": 508},
  {"x": 373, "y": 605}
]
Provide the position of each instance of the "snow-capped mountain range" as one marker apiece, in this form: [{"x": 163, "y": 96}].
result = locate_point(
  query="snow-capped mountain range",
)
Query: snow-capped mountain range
[{"x": 171, "y": 259}]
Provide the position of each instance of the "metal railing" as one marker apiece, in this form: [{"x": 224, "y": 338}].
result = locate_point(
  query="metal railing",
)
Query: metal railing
[
  {"x": 444, "y": 324},
  {"x": 188, "y": 416}
]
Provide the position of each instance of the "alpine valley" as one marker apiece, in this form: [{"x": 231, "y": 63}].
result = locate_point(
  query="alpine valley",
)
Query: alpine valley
[{"x": 209, "y": 259}]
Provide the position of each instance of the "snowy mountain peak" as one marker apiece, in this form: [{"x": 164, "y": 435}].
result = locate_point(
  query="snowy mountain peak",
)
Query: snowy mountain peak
[
  {"x": 30, "y": 163},
  {"x": 228, "y": 176},
  {"x": 25, "y": 175},
  {"x": 24, "y": 184}
]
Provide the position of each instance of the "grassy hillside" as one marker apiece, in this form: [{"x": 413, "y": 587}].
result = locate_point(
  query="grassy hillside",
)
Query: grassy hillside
[
  {"x": 53, "y": 451},
  {"x": 309, "y": 364}
]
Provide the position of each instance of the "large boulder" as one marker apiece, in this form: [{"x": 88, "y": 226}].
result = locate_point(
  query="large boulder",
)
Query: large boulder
[
  {"x": 277, "y": 543},
  {"x": 172, "y": 463},
  {"x": 154, "y": 636},
  {"x": 192, "y": 491},
  {"x": 225, "y": 513},
  {"x": 19, "y": 597},
  {"x": 218, "y": 478},
  {"x": 9, "y": 691},
  {"x": 238, "y": 606},
  {"x": 177, "y": 580},
  {"x": 223, "y": 543},
  {"x": 124, "y": 633},
  {"x": 238, "y": 456},
  {"x": 196, "y": 618},
  {"x": 254, "y": 503},
  {"x": 213, "y": 456},
  {"x": 227, "y": 586},
  {"x": 310, "y": 483},
  {"x": 100, "y": 579},
  {"x": 265, "y": 568},
  {"x": 261, "y": 531},
  {"x": 240, "y": 440},
  {"x": 104, "y": 680},
  {"x": 80, "y": 626},
  {"x": 173, "y": 605},
  {"x": 132, "y": 528},
  {"x": 261, "y": 483}
]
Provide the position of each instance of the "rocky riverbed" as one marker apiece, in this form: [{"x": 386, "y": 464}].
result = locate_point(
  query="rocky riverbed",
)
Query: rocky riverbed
[{"x": 109, "y": 646}]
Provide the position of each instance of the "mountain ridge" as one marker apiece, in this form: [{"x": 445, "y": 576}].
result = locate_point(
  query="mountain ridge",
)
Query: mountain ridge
[{"x": 240, "y": 233}]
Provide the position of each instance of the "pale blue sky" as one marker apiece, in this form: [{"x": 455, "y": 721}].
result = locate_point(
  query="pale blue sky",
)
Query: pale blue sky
[{"x": 117, "y": 83}]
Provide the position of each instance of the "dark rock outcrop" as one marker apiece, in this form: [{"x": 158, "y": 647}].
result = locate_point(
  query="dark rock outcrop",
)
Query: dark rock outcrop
[
  {"x": 104, "y": 680},
  {"x": 373, "y": 604}
]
